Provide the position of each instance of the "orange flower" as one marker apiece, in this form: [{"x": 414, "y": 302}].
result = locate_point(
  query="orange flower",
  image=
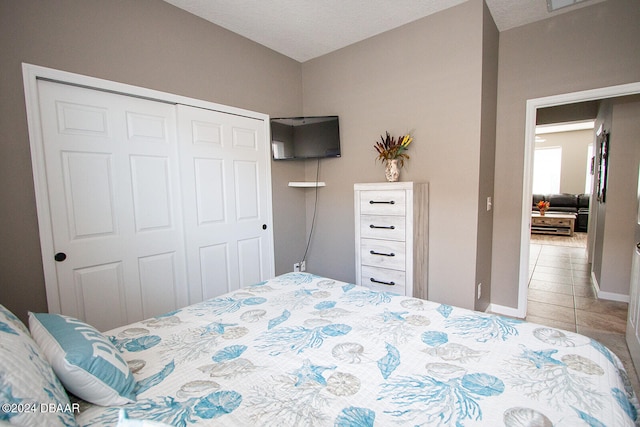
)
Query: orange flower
[{"x": 542, "y": 205}]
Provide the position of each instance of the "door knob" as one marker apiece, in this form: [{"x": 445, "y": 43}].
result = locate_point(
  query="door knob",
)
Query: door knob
[
  {"x": 60, "y": 256},
  {"x": 264, "y": 226}
]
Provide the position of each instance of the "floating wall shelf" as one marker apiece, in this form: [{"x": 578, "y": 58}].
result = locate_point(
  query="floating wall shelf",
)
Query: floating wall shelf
[{"x": 306, "y": 184}]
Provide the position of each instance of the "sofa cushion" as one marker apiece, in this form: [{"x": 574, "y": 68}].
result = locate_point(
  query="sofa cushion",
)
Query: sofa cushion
[
  {"x": 582, "y": 221},
  {"x": 563, "y": 209},
  {"x": 562, "y": 201},
  {"x": 537, "y": 198},
  {"x": 86, "y": 362},
  {"x": 583, "y": 201},
  {"x": 27, "y": 380}
]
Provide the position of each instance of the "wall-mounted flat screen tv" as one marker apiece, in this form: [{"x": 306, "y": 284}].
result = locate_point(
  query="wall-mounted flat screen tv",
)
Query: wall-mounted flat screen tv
[{"x": 305, "y": 137}]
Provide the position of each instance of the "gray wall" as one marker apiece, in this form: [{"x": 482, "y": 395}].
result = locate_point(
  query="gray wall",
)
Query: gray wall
[
  {"x": 575, "y": 145},
  {"x": 587, "y": 110},
  {"x": 593, "y": 47},
  {"x": 484, "y": 247},
  {"x": 146, "y": 43},
  {"x": 426, "y": 76},
  {"x": 618, "y": 215}
]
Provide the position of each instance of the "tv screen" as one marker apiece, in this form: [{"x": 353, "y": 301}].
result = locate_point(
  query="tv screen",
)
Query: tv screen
[{"x": 305, "y": 137}]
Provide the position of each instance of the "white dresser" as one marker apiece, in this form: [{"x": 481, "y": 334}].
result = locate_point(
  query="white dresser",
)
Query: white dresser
[{"x": 391, "y": 224}]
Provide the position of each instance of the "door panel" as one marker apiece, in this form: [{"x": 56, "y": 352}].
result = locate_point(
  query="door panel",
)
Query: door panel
[
  {"x": 247, "y": 190},
  {"x": 158, "y": 277},
  {"x": 250, "y": 260},
  {"x": 214, "y": 268},
  {"x": 88, "y": 176},
  {"x": 112, "y": 184},
  {"x": 245, "y": 138},
  {"x": 143, "y": 127},
  {"x": 99, "y": 294},
  {"x": 151, "y": 193},
  {"x": 224, "y": 168},
  {"x": 210, "y": 197},
  {"x": 206, "y": 133},
  {"x": 82, "y": 119}
]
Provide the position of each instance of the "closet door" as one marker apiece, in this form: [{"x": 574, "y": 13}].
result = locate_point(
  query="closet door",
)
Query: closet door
[
  {"x": 224, "y": 163},
  {"x": 114, "y": 198}
]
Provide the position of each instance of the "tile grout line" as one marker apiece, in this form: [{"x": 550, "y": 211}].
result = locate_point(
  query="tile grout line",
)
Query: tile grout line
[
  {"x": 573, "y": 288},
  {"x": 535, "y": 264},
  {"x": 583, "y": 257},
  {"x": 568, "y": 264}
]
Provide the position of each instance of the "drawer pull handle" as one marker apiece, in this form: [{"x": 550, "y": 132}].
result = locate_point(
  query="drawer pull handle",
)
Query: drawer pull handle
[
  {"x": 386, "y": 227},
  {"x": 383, "y": 283},
  {"x": 381, "y": 253},
  {"x": 391, "y": 202}
]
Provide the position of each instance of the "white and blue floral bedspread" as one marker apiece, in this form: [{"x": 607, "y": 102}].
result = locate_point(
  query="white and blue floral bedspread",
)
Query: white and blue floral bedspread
[{"x": 302, "y": 350}]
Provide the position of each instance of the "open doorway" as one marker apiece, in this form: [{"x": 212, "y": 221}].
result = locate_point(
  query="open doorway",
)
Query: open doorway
[
  {"x": 563, "y": 171},
  {"x": 532, "y": 107},
  {"x": 559, "y": 272}
]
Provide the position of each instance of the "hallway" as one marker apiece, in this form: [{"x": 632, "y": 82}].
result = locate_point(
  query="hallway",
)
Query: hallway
[{"x": 560, "y": 295}]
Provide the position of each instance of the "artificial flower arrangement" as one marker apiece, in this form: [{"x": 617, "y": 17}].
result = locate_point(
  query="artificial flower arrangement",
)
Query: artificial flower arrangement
[
  {"x": 542, "y": 206},
  {"x": 390, "y": 148}
]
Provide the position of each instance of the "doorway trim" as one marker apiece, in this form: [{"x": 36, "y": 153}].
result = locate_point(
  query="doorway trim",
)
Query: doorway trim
[{"x": 529, "y": 147}]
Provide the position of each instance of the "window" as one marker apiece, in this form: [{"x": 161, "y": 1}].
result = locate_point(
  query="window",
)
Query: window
[{"x": 546, "y": 170}]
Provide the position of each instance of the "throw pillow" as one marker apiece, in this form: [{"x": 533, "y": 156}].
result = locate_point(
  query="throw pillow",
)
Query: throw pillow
[
  {"x": 86, "y": 362},
  {"x": 28, "y": 386}
]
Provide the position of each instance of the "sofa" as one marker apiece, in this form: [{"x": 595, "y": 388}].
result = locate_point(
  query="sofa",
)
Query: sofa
[{"x": 567, "y": 203}]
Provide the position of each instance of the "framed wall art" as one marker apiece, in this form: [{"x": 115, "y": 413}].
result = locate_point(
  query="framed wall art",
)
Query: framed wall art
[{"x": 603, "y": 163}]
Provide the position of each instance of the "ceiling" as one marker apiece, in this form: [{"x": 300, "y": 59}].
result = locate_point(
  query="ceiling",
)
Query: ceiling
[{"x": 306, "y": 29}]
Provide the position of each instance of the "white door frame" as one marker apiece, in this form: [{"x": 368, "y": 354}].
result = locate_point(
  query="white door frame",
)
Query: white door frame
[
  {"x": 529, "y": 147},
  {"x": 31, "y": 73}
]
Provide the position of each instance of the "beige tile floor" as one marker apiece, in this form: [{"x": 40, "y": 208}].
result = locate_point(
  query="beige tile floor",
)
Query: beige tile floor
[{"x": 561, "y": 295}]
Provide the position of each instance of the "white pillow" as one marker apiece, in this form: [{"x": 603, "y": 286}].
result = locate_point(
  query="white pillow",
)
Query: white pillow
[
  {"x": 86, "y": 362},
  {"x": 27, "y": 382}
]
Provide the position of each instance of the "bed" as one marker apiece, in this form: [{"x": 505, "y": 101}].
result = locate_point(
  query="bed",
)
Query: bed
[{"x": 303, "y": 350}]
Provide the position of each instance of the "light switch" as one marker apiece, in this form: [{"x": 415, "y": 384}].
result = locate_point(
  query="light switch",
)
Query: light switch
[{"x": 489, "y": 203}]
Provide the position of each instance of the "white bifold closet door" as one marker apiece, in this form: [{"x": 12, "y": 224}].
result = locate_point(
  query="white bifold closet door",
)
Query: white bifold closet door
[
  {"x": 224, "y": 178},
  {"x": 152, "y": 205},
  {"x": 114, "y": 199}
]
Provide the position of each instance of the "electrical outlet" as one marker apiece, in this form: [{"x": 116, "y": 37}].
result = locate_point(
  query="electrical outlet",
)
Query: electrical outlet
[
  {"x": 296, "y": 267},
  {"x": 303, "y": 266},
  {"x": 479, "y": 290}
]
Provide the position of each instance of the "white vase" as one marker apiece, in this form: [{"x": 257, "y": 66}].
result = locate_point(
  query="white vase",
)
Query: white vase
[{"x": 392, "y": 171}]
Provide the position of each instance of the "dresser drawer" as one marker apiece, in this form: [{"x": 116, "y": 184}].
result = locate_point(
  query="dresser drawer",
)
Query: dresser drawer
[
  {"x": 387, "y": 227},
  {"x": 390, "y": 202},
  {"x": 550, "y": 221},
  {"x": 382, "y": 279},
  {"x": 383, "y": 253}
]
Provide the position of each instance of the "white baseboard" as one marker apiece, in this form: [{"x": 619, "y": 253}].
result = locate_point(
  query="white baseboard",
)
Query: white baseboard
[
  {"x": 611, "y": 296},
  {"x": 594, "y": 282},
  {"x": 505, "y": 311},
  {"x": 517, "y": 313}
]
